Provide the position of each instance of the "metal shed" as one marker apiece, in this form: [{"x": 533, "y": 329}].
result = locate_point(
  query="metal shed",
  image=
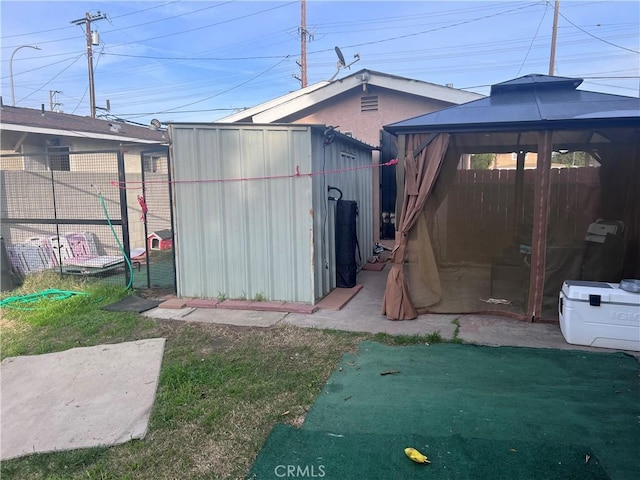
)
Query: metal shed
[
  {"x": 534, "y": 248},
  {"x": 253, "y": 218}
]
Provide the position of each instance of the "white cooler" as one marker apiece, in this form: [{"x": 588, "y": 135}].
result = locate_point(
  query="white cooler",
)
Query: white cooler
[{"x": 599, "y": 314}]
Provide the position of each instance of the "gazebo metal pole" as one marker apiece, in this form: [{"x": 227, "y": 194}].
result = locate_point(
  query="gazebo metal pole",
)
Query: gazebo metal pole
[
  {"x": 402, "y": 139},
  {"x": 540, "y": 217},
  {"x": 518, "y": 194}
]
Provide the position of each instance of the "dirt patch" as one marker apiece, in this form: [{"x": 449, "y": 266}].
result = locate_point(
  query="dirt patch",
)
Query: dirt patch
[
  {"x": 297, "y": 421},
  {"x": 10, "y": 325},
  {"x": 154, "y": 293}
]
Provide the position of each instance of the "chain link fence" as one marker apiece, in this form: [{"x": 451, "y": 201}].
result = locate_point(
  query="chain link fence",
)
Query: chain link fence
[{"x": 72, "y": 213}]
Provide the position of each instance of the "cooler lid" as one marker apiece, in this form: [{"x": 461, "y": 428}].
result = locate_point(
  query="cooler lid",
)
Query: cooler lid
[{"x": 608, "y": 292}]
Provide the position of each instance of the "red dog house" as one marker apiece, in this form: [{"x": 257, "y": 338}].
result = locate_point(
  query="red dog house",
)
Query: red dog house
[{"x": 160, "y": 240}]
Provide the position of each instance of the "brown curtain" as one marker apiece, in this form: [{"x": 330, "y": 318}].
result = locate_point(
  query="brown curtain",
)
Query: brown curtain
[
  {"x": 421, "y": 267},
  {"x": 620, "y": 183},
  {"x": 422, "y": 166}
]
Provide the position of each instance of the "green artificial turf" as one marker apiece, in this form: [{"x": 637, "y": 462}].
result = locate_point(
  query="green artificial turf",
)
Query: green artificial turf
[{"x": 477, "y": 412}]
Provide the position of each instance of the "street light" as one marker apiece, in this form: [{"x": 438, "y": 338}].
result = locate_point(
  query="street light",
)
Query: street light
[{"x": 13, "y": 98}]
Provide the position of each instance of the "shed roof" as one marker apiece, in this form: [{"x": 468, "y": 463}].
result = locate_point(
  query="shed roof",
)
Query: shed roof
[
  {"x": 322, "y": 129},
  {"x": 532, "y": 102}
]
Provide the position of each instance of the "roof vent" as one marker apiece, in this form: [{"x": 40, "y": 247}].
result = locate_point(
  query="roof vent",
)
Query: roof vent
[
  {"x": 536, "y": 82},
  {"x": 369, "y": 103}
]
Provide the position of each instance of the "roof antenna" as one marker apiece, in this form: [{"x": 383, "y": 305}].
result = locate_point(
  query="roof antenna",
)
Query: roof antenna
[{"x": 342, "y": 63}]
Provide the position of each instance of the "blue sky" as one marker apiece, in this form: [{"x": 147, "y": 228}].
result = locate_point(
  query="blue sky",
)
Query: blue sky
[{"x": 201, "y": 60}]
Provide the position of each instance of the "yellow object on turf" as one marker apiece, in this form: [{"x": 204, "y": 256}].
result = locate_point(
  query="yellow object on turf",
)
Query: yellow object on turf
[{"x": 415, "y": 455}]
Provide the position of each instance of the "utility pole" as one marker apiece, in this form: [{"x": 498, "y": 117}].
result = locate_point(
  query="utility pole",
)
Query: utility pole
[
  {"x": 304, "y": 33},
  {"x": 303, "y": 44},
  {"x": 554, "y": 36},
  {"x": 54, "y": 106},
  {"x": 88, "y": 18}
]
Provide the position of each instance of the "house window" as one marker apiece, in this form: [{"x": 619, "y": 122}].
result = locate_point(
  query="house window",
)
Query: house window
[
  {"x": 369, "y": 103},
  {"x": 59, "y": 159},
  {"x": 150, "y": 163}
]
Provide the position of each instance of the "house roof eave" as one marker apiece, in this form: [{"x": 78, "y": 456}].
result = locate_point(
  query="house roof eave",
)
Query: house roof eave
[
  {"x": 282, "y": 107},
  {"x": 78, "y": 134},
  {"x": 22, "y": 119},
  {"x": 249, "y": 113}
]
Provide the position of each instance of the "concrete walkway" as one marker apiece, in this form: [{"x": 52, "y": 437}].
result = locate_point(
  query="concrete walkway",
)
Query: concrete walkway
[{"x": 362, "y": 314}]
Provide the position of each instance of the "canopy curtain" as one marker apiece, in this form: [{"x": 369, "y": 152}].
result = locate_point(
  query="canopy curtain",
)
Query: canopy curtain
[
  {"x": 421, "y": 266},
  {"x": 423, "y": 159},
  {"x": 619, "y": 177}
]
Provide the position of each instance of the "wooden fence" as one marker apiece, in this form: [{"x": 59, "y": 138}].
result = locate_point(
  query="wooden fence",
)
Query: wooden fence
[{"x": 481, "y": 216}]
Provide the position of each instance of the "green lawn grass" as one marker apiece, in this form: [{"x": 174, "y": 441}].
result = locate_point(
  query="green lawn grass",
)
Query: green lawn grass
[{"x": 221, "y": 391}]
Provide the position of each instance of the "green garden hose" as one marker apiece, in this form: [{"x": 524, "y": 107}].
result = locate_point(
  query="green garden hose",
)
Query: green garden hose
[
  {"x": 50, "y": 294},
  {"x": 55, "y": 294},
  {"x": 115, "y": 235}
]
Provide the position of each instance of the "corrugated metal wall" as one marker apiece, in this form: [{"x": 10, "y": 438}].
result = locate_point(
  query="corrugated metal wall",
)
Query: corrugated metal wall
[
  {"x": 355, "y": 185},
  {"x": 260, "y": 238}
]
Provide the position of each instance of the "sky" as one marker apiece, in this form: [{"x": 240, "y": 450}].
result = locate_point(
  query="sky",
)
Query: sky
[{"x": 202, "y": 60}]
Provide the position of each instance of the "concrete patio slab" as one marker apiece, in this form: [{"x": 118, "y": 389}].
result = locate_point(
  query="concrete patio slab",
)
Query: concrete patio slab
[
  {"x": 362, "y": 314},
  {"x": 497, "y": 331},
  {"x": 78, "y": 398},
  {"x": 241, "y": 318},
  {"x": 168, "y": 313},
  {"x": 352, "y": 321}
]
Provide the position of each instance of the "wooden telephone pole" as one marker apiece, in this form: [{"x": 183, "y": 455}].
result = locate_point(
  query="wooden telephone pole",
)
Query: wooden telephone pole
[
  {"x": 303, "y": 45},
  {"x": 88, "y": 18},
  {"x": 554, "y": 36},
  {"x": 304, "y": 37}
]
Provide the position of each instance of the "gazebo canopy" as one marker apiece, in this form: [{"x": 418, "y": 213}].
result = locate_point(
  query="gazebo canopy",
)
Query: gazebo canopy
[
  {"x": 532, "y": 102},
  {"x": 533, "y": 113}
]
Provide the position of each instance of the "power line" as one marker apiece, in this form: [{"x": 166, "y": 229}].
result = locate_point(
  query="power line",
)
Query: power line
[
  {"x": 85, "y": 92},
  {"x": 206, "y": 26},
  {"x": 173, "y": 110},
  {"x": 67, "y": 27},
  {"x": 217, "y": 59},
  {"x": 144, "y": 10},
  {"x": 524, "y": 60},
  {"x": 430, "y": 15},
  {"x": 167, "y": 18},
  {"x": 596, "y": 37},
  {"x": 411, "y": 54},
  {"x": 41, "y": 67},
  {"x": 56, "y": 76},
  {"x": 131, "y": 26},
  {"x": 143, "y": 114},
  {"x": 464, "y": 22}
]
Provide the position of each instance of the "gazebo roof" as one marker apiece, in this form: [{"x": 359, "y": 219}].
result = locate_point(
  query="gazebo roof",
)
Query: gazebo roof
[{"x": 532, "y": 102}]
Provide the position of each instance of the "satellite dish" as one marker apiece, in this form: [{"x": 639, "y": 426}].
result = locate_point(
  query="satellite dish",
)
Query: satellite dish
[
  {"x": 155, "y": 123},
  {"x": 341, "y": 61}
]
